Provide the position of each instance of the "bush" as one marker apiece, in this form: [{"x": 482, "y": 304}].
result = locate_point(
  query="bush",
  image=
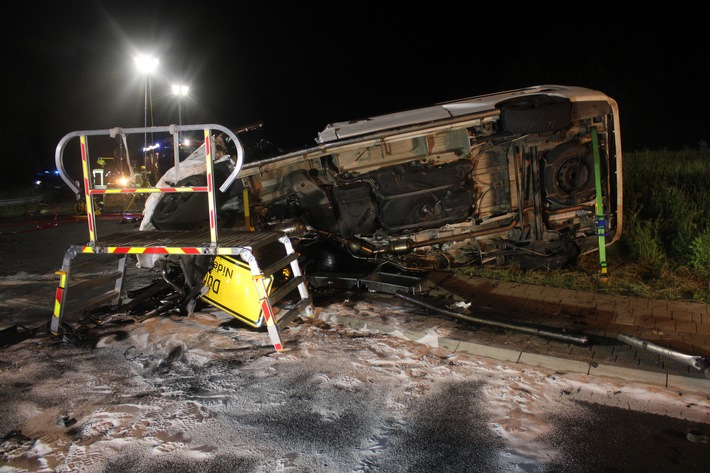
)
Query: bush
[
  {"x": 664, "y": 250},
  {"x": 700, "y": 254},
  {"x": 646, "y": 247}
]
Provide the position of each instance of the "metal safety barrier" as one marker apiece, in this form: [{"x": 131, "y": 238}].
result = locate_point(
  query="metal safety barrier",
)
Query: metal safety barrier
[{"x": 242, "y": 244}]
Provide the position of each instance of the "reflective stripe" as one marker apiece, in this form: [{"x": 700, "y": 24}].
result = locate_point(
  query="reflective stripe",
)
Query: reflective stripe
[{"x": 157, "y": 250}]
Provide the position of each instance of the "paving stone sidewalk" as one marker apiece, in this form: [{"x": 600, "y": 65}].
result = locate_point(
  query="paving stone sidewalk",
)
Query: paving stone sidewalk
[{"x": 681, "y": 330}]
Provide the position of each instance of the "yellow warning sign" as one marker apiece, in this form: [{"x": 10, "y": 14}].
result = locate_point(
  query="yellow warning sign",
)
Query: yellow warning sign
[{"x": 231, "y": 288}]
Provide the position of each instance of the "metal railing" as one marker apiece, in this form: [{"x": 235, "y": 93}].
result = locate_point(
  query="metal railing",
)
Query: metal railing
[{"x": 89, "y": 190}]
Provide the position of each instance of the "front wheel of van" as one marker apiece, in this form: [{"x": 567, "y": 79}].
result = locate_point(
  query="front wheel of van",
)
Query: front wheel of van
[{"x": 182, "y": 210}]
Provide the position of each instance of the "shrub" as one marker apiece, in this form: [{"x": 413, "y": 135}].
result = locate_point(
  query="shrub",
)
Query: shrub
[
  {"x": 700, "y": 254},
  {"x": 645, "y": 245}
]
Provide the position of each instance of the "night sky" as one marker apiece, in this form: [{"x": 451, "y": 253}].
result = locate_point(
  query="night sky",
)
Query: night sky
[{"x": 70, "y": 66}]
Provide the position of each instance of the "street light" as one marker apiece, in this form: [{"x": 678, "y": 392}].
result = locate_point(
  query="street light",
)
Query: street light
[
  {"x": 146, "y": 65},
  {"x": 181, "y": 91}
]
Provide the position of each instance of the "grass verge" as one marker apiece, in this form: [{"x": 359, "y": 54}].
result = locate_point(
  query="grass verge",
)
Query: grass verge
[{"x": 625, "y": 278}]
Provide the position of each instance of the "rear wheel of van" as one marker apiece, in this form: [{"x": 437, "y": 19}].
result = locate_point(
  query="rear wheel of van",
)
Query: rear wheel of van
[
  {"x": 569, "y": 174},
  {"x": 535, "y": 114}
]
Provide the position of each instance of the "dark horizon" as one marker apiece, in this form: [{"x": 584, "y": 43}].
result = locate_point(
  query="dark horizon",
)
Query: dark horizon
[{"x": 296, "y": 71}]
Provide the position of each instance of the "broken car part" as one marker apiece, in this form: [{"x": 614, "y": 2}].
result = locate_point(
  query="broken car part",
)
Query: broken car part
[{"x": 697, "y": 362}]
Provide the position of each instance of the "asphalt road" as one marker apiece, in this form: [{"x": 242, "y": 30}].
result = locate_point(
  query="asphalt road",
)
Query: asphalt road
[
  {"x": 37, "y": 243},
  {"x": 611, "y": 439}
]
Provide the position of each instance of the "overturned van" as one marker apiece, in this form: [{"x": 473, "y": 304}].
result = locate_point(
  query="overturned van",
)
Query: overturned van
[{"x": 529, "y": 176}]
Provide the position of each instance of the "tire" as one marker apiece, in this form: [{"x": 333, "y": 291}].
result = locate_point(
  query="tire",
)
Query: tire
[
  {"x": 569, "y": 174},
  {"x": 182, "y": 210},
  {"x": 535, "y": 114}
]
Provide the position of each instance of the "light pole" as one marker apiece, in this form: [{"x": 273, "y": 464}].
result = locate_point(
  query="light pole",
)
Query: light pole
[
  {"x": 181, "y": 91},
  {"x": 146, "y": 65}
]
